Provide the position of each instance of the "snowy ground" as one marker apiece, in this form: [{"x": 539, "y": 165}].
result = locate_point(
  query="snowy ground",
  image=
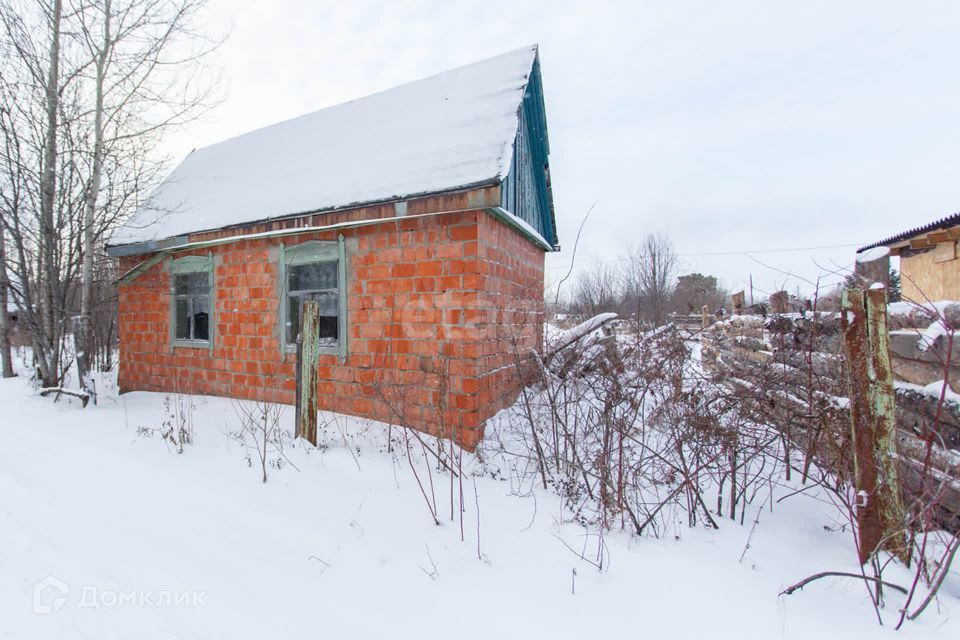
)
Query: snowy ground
[{"x": 194, "y": 546}]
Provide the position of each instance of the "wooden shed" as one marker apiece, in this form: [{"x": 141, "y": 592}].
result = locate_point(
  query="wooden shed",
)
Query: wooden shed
[
  {"x": 929, "y": 269},
  {"x": 417, "y": 217}
]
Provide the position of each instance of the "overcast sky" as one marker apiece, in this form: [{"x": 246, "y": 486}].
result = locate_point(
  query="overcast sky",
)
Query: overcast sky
[{"x": 731, "y": 126}]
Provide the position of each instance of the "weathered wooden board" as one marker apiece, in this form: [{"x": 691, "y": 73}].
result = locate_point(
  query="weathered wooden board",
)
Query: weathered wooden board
[
  {"x": 873, "y": 419},
  {"x": 308, "y": 357}
]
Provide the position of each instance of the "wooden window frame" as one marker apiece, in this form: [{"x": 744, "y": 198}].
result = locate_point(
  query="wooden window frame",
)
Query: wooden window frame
[
  {"x": 192, "y": 264},
  {"x": 310, "y": 252}
]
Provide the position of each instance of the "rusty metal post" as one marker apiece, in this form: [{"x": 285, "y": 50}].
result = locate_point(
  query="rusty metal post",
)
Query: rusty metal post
[
  {"x": 879, "y": 508},
  {"x": 308, "y": 357}
]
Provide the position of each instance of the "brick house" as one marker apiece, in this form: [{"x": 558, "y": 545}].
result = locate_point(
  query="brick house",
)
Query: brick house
[
  {"x": 417, "y": 217},
  {"x": 929, "y": 269}
]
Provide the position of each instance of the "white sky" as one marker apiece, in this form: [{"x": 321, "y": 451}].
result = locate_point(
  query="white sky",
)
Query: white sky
[{"x": 731, "y": 126}]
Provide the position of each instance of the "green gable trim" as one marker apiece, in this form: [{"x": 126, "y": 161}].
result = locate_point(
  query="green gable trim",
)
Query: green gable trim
[
  {"x": 525, "y": 191},
  {"x": 133, "y": 273},
  {"x": 342, "y": 291}
]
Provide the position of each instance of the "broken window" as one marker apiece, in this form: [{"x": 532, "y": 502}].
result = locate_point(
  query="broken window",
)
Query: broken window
[
  {"x": 315, "y": 271},
  {"x": 316, "y": 281},
  {"x": 192, "y": 300}
]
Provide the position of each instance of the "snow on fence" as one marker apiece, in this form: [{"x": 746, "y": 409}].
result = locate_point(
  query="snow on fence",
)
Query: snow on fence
[{"x": 799, "y": 358}]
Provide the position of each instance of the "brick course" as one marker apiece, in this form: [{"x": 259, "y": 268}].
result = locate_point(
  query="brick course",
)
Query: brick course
[{"x": 437, "y": 307}]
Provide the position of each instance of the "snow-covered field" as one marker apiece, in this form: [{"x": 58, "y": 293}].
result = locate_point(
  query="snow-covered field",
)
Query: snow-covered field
[{"x": 108, "y": 533}]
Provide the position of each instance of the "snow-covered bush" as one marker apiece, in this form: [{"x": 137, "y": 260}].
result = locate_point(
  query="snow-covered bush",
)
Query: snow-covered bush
[{"x": 632, "y": 435}]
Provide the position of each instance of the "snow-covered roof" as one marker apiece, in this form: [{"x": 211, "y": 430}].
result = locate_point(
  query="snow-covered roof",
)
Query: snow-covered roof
[{"x": 448, "y": 131}]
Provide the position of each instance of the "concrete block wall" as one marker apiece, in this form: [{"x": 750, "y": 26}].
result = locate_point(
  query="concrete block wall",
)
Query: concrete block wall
[{"x": 437, "y": 306}]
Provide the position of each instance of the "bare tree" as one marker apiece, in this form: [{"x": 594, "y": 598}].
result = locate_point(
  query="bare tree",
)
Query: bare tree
[
  {"x": 36, "y": 101},
  {"x": 6, "y": 358},
  {"x": 649, "y": 275},
  {"x": 596, "y": 291},
  {"x": 132, "y": 46},
  {"x": 695, "y": 290},
  {"x": 87, "y": 88}
]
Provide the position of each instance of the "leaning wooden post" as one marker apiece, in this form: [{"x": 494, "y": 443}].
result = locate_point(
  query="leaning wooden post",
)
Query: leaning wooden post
[
  {"x": 308, "y": 357},
  {"x": 779, "y": 302},
  {"x": 873, "y": 265},
  {"x": 737, "y": 298},
  {"x": 879, "y": 508}
]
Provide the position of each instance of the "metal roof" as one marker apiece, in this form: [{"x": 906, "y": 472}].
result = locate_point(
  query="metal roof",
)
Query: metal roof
[
  {"x": 452, "y": 131},
  {"x": 943, "y": 223}
]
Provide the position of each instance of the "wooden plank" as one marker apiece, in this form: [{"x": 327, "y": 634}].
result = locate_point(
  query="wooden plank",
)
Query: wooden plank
[
  {"x": 308, "y": 357},
  {"x": 738, "y": 301},
  {"x": 883, "y": 399}
]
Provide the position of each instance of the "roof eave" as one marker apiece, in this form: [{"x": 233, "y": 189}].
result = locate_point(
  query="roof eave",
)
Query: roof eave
[
  {"x": 943, "y": 223},
  {"x": 174, "y": 242}
]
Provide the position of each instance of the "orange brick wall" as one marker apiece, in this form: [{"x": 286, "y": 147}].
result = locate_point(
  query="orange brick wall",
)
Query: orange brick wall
[
  {"x": 434, "y": 307},
  {"x": 511, "y": 272}
]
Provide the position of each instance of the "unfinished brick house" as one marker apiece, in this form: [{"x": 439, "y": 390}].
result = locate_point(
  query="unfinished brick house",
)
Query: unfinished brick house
[
  {"x": 418, "y": 218},
  {"x": 929, "y": 267}
]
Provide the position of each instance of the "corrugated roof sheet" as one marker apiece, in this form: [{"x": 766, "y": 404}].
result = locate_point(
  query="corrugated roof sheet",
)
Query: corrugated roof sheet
[{"x": 942, "y": 223}]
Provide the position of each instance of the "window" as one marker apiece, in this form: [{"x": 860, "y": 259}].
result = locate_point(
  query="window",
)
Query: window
[
  {"x": 192, "y": 304},
  {"x": 192, "y": 292},
  {"x": 314, "y": 281},
  {"x": 315, "y": 271}
]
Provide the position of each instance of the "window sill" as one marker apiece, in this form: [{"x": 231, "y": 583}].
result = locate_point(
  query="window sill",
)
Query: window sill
[{"x": 192, "y": 344}]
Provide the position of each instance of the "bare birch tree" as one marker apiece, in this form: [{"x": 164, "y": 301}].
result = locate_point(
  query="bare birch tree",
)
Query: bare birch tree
[
  {"x": 133, "y": 45},
  {"x": 88, "y": 89},
  {"x": 33, "y": 115},
  {"x": 6, "y": 357}
]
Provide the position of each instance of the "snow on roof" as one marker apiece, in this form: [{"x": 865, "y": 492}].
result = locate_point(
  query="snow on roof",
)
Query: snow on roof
[{"x": 445, "y": 132}]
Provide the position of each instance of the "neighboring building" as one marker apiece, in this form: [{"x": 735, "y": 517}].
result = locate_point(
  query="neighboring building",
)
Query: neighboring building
[
  {"x": 929, "y": 269},
  {"x": 418, "y": 217}
]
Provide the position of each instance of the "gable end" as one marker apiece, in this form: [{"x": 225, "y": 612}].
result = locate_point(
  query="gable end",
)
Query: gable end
[{"x": 525, "y": 191}]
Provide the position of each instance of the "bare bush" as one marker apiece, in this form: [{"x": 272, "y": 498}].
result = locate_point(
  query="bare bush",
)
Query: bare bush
[
  {"x": 596, "y": 290},
  {"x": 628, "y": 433},
  {"x": 261, "y": 434},
  {"x": 177, "y": 425}
]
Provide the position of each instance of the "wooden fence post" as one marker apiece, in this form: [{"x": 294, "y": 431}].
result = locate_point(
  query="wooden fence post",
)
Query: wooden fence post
[
  {"x": 737, "y": 298},
  {"x": 879, "y": 508},
  {"x": 308, "y": 357},
  {"x": 872, "y": 266},
  {"x": 779, "y": 302}
]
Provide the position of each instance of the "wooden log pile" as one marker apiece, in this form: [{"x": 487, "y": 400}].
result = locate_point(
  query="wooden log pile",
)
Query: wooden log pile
[
  {"x": 921, "y": 346},
  {"x": 773, "y": 356}
]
